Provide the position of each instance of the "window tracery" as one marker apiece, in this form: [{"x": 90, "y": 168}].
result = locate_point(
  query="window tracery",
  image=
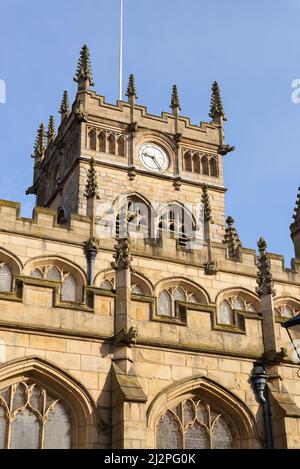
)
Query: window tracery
[
  {"x": 200, "y": 163},
  {"x": 166, "y": 303},
  {"x": 230, "y": 306},
  {"x": 30, "y": 418},
  {"x": 5, "y": 278},
  {"x": 106, "y": 141},
  {"x": 193, "y": 424},
  {"x": 57, "y": 274}
]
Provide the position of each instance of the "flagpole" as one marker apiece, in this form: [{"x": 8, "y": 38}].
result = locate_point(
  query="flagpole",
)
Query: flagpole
[{"x": 121, "y": 55}]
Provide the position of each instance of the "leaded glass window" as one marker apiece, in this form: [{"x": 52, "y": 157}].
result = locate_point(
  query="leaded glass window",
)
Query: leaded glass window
[
  {"x": 106, "y": 285},
  {"x": 194, "y": 424},
  {"x": 225, "y": 313},
  {"x": 137, "y": 290},
  {"x": 68, "y": 289},
  {"x": 167, "y": 300},
  {"x": 30, "y": 418},
  {"x": 5, "y": 278}
]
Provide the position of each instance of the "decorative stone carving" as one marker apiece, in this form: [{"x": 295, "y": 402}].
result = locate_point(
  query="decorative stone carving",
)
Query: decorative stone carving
[
  {"x": 216, "y": 105},
  {"x": 51, "y": 130},
  {"x": 175, "y": 102},
  {"x": 123, "y": 258},
  {"x": 206, "y": 204},
  {"x": 127, "y": 337},
  {"x": 84, "y": 69},
  {"x": 264, "y": 277},
  {"x": 133, "y": 128},
  {"x": 131, "y": 89},
  {"x": 232, "y": 240},
  {"x": 224, "y": 149},
  {"x": 177, "y": 183},
  {"x": 131, "y": 173},
  {"x": 91, "y": 190},
  {"x": 210, "y": 268},
  {"x": 80, "y": 114},
  {"x": 274, "y": 358}
]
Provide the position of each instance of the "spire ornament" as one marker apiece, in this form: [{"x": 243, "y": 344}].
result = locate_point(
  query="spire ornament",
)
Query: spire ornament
[
  {"x": 123, "y": 258},
  {"x": 65, "y": 105},
  {"x": 40, "y": 145},
  {"x": 296, "y": 215},
  {"x": 131, "y": 89},
  {"x": 206, "y": 204},
  {"x": 51, "y": 130},
  {"x": 84, "y": 69},
  {"x": 216, "y": 105},
  {"x": 233, "y": 241},
  {"x": 91, "y": 189},
  {"x": 264, "y": 277},
  {"x": 175, "y": 102}
]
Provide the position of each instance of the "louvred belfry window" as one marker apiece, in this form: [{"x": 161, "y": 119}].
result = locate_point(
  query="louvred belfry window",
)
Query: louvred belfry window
[
  {"x": 194, "y": 424},
  {"x": 30, "y": 418}
]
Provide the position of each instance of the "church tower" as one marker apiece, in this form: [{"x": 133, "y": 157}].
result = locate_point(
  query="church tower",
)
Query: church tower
[{"x": 158, "y": 160}]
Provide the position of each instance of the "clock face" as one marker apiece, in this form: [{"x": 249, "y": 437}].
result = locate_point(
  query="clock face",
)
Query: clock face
[{"x": 154, "y": 157}]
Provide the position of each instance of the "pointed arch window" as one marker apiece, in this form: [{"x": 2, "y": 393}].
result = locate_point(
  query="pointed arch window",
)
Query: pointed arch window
[
  {"x": 92, "y": 140},
  {"x": 120, "y": 146},
  {"x": 167, "y": 300},
  {"x": 187, "y": 161},
  {"x": 230, "y": 308},
  {"x": 68, "y": 289},
  {"x": 204, "y": 166},
  {"x": 176, "y": 223},
  {"x": 133, "y": 218},
  {"x": 31, "y": 418},
  {"x": 102, "y": 142},
  {"x": 196, "y": 163},
  {"x": 112, "y": 144},
  {"x": 213, "y": 167},
  {"x": 5, "y": 278},
  {"x": 194, "y": 424}
]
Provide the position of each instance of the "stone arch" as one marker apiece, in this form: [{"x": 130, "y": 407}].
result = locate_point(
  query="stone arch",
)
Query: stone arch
[
  {"x": 245, "y": 430},
  {"x": 290, "y": 302},
  {"x": 10, "y": 266},
  {"x": 142, "y": 282},
  {"x": 143, "y": 207},
  {"x": 92, "y": 140},
  {"x": 187, "y": 161},
  {"x": 181, "y": 281},
  {"x": 63, "y": 386},
  {"x": 72, "y": 269},
  {"x": 105, "y": 275},
  {"x": 247, "y": 295}
]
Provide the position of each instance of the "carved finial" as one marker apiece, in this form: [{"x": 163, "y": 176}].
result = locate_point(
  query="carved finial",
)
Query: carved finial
[
  {"x": 206, "y": 204},
  {"x": 131, "y": 89},
  {"x": 84, "y": 69},
  {"x": 216, "y": 105},
  {"x": 65, "y": 105},
  {"x": 232, "y": 239},
  {"x": 296, "y": 215},
  {"x": 51, "y": 130},
  {"x": 91, "y": 189},
  {"x": 123, "y": 258},
  {"x": 264, "y": 277},
  {"x": 175, "y": 103},
  {"x": 40, "y": 145}
]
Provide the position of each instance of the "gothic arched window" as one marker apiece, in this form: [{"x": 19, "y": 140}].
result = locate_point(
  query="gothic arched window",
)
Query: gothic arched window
[
  {"x": 229, "y": 309},
  {"x": 120, "y": 146},
  {"x": 68, "y": 289},
  {"x": 166, "y": 303},
  {"x": 92, "y": 140},
  {"x": 68, "y": 285},
  {"x": 196, "y": 163},
  {"x": 213, "y": 167},
  {"x": 133, "y": 218},
  {"x": 102, "y": 142},
  {"x": 176, "y": 223},
  {"x": 31, "y": 418},
  {"x": 61, "y": 216},
  {"x": 112, "y": 144},
  {"x": 194, "y": 424},
  {"x": 187, "y": 161},
  {"x": 204, "y": 166},
  {"x": 5, "y": 278}
]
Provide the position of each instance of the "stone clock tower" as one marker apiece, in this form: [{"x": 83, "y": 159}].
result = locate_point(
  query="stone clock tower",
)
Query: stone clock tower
[{"x": 131, "y": 316}]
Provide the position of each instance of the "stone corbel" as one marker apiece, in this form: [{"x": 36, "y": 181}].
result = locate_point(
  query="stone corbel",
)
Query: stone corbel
[
  {"x": 128, "y": 338},
  {"x": 210, "y": 268}
]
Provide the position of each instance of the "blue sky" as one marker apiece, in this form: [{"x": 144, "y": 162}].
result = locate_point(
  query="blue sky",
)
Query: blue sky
[{"x": 250, "y": 48}]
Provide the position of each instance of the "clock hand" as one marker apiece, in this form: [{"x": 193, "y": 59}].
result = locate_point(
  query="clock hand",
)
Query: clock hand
[{"x": 154, "y": 159}]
